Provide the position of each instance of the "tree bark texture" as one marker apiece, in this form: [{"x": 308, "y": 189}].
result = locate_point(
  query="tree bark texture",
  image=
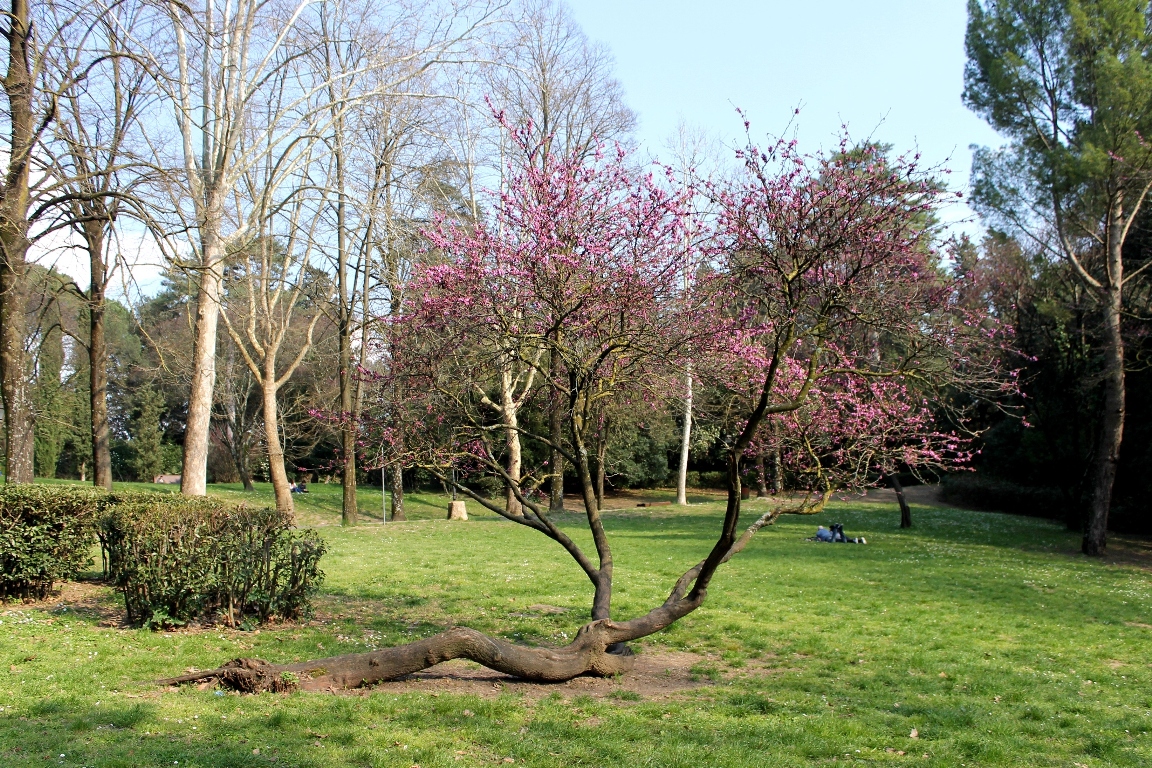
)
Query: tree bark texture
[
  {"x": 761, "y": 475},
  {"x": 1112, "y": 421},
  {"x": 509, "y": 412},
  {"x": 349, "y": 513},
  {"x": 279, "y": 475},
  {"x": 905, "y": 511},
  {"x": 601, "y": 462},
  {"x": 19, "y": 435},
  {"x": 194, "y": 478},
  {"x": 555, "y": 464},
  {"x": 98, "y": 357},
  {"x": 556, "y": 435},
  {"x": 19, "y": 428},
  {"x": 777, "y": 463},
  {"x": 398, "y": 494}
]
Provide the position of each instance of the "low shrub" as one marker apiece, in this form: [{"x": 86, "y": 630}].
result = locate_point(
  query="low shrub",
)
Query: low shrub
[
  {"x": 46, "y": 536},
  {"x": 178, "y": 559}
]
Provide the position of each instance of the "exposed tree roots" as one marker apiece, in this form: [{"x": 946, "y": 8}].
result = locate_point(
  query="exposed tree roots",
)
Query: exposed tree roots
[{"x": 586, "y": 655}]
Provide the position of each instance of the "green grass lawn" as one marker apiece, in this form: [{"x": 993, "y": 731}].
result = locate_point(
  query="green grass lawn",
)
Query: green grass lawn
[{"x": 985, "y": 633}]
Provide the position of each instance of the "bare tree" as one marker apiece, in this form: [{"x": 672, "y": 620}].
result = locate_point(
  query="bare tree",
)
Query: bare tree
[
  {"x": 91, "y": 156},
  {"x": 45, "y": 62},
  {"x": 29, "y": 111},
  {"x": 239, "y": 417},
  {"x": 555, "y": 80},
  {"x": 554, "y": 77},
  {"x": 268, "y": 291},
  {"x": 244, "y": 93},
  {"x": 369, "y": 147}
]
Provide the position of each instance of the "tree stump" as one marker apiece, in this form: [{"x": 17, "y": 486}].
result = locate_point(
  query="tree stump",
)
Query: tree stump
[{"x": 457, "y": 510}]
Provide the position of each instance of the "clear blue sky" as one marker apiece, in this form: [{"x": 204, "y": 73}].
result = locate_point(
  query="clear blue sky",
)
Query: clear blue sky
[{"x": 891, "y": 69}]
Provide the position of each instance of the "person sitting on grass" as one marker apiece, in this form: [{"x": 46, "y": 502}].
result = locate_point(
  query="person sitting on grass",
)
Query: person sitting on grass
[{"x": 302, "y": 488}]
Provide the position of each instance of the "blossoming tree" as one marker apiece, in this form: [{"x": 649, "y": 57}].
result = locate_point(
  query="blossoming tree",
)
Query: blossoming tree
[{"x": 821, "y": 306}]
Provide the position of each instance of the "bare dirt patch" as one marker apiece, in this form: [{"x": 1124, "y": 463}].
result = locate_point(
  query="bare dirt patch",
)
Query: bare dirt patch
[
  {"x": 85, "y": 599},
  {"x": 1129, "y": 550}
]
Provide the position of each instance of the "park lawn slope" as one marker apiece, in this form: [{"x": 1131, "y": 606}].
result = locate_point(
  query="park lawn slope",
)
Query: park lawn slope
[{"x": 984, "y": 633}]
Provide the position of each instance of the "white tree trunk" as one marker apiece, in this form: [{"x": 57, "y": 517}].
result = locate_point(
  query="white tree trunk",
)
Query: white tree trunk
[
  {"x": 685, "y": 444},
  {"x": 510, "y": 413},
  {"x": 194, "y": 479}
]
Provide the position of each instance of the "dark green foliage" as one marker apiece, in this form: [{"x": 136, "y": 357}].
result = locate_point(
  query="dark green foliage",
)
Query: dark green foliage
[
  {"x": 147, "y": 435},
  {"x": 178, "y": 559},
  {"x": 696, "y": 479},
  {"x": 638, "y": 456},
  {"x": 46, "y": 536},
  {"x": 982, "y": 491}
]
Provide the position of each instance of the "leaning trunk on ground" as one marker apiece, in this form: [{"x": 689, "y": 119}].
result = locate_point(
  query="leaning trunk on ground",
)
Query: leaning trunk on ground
[{"x": 597, "y": 649}]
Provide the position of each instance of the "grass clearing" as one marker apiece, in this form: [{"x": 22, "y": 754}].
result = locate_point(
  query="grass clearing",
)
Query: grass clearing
[{"x": 983, "y": 633}]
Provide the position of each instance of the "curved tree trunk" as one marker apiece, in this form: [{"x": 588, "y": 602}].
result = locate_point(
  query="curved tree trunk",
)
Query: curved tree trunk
[
  {"x": 587, "y": 654},
  {"x": 276, "y": 469},
  {"x": 905, "y": 512},
  {"x": 598, "y": 648}
]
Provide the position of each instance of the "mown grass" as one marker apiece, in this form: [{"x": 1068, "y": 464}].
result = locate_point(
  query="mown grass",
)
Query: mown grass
[{"x": 983, "y": 632}]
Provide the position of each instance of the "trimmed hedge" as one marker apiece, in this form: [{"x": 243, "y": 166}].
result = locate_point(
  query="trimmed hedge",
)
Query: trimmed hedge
[
  {"x": 46, "y": 536},
  {"x": 175, "y": 559},
  {"x": 178, "y": 559}
]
